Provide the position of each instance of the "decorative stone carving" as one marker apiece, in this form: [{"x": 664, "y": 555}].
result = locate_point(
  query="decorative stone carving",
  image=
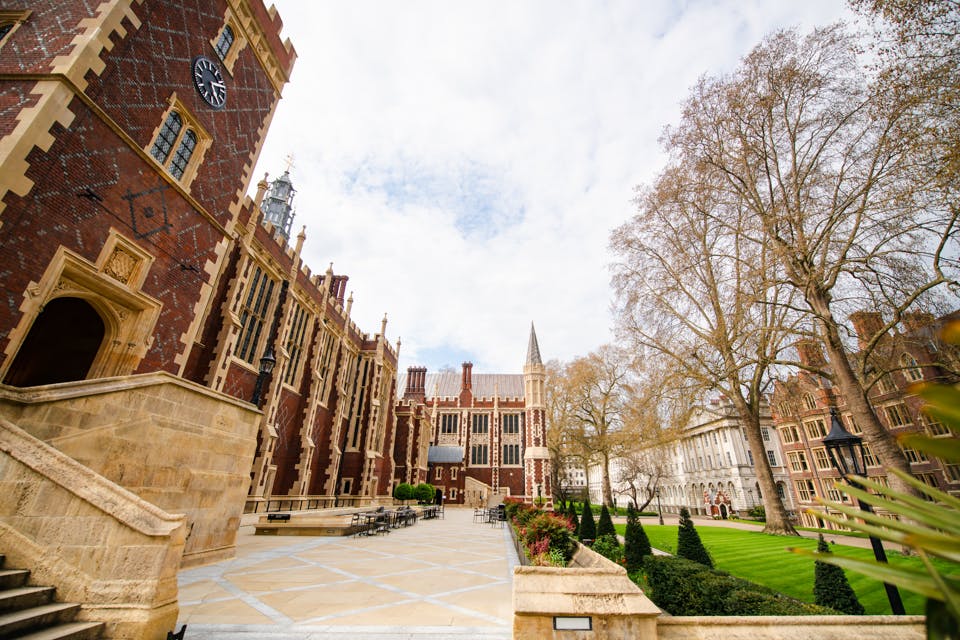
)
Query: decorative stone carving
[{"x": 120, "y": 265}]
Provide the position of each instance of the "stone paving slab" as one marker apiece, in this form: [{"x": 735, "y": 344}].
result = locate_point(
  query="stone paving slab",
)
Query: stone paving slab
[{"x": 446, "y": 578}]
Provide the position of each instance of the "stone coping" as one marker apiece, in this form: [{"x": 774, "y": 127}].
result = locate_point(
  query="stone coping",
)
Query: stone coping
[{"x": 85, "y": 388}]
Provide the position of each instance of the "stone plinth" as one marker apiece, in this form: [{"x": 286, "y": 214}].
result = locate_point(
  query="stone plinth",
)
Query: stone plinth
[
  {"x": 791, "y": 627},
  {"x": 176, "y": 444},
  {"x": 592, "y": 587}
]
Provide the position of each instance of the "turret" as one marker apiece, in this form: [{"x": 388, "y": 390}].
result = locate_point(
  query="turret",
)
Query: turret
[{"x": 278, "y": 205}]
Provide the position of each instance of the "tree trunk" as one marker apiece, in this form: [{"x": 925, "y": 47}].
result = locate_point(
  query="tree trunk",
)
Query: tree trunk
[
  {"x": 881, "y": 441},
  {"x": 777, "y": 520},
  {"x": 607, "y": 490}
]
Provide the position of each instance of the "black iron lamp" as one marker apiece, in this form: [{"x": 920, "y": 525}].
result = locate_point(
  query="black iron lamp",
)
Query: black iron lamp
[
  {"x": 659, "y": 512},
  {"x": 849, "y": 458},
  {"x": 267, "y": 362}
]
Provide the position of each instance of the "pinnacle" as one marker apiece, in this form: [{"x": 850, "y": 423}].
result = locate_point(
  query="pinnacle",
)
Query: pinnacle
[{"x": 533, "y": 349}]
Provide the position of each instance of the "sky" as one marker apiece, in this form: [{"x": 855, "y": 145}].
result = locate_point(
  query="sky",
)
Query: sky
[{"x": 465, "y": 162}]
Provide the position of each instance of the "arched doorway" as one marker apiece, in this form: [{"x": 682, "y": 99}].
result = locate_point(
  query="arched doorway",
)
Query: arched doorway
[{"x": 61, "y": 345}]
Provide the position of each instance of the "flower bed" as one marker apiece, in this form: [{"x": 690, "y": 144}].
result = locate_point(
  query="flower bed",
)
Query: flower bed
[{"x": 545, "y": 537}]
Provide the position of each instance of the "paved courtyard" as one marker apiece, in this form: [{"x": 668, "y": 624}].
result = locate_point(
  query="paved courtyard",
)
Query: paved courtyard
[{"x": 438, "y": 579}]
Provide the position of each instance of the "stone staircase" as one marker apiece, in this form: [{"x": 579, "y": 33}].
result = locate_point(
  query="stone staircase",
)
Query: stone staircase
[{"x": 30, "y": 613}]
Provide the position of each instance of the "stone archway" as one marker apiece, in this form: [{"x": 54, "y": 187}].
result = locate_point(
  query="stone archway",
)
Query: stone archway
[{"x": 61, "y": 345}]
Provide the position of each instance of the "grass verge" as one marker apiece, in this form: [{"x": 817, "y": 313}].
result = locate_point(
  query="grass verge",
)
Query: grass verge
[{"x": 763, "y": 559}]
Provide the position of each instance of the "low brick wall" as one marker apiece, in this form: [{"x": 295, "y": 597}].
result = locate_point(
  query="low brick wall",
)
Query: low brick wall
[
  {"x": 98, "y": 544},
  {"x": 176, "y": 444}
]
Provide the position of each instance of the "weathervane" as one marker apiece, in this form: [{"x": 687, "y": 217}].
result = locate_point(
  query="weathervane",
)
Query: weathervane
[{"x": 289, "y": 161}]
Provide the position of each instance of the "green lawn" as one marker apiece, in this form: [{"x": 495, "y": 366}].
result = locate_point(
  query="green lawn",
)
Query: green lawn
[{"x": 763, "y": 559}]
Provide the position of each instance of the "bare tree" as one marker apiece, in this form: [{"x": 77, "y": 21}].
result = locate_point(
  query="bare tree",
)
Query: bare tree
[
  {"x": 562, "y": 442},
  {"x": 817, "y": 162},
  {"x": 695, "y": 288},
  {"x": 598, "y": 389}
]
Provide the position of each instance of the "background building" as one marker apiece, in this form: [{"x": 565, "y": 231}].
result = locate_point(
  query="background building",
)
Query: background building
[
  {"x": 485, "y": 434},
  {"x": 802, "y": 403},
  {"x": 709, "y": 469}
]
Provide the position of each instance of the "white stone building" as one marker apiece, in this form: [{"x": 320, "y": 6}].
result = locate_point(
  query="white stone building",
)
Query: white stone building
[{"x": 710, "y": 469}]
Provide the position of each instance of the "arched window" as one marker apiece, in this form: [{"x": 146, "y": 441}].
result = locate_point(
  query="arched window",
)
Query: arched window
[
  {"x": 225, "y": 42},
  {"x": 167, "y": 137},
  {"x": 182, "y": 157},
  {"x": 911, "y": 368},
  {"x": 5, "y": 28},
  {"x": 808, "y": 401},
  {"x": 180, "y": 143}
]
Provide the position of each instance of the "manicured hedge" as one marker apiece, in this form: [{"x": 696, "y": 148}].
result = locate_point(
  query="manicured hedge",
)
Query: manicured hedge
[{"x": 682, "y": 587}]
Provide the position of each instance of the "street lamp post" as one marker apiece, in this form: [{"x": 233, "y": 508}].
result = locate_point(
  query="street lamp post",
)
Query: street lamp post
[
  {"x": 659, "y": 512},
  {"x": 267, "y": 363},
  {"x": 849, "y": 459}
]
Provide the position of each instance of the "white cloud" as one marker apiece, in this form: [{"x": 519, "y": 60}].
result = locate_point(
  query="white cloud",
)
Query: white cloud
[{"x": 465, "y": 162}]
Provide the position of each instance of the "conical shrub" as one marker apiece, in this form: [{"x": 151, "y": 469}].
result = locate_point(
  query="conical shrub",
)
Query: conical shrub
[
  {"x": 831, "y": 587},
  {"x": 689, "y": 545},
  {"x": 588, "y": 526},
  {"x": 605, "y": 524},
  {"x": 572, "y": 515},
  {"x": 636, "y": 544}
]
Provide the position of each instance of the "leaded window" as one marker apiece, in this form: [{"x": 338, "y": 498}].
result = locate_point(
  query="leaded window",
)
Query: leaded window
[
  {"x": 449, "y": 423},
  {"x": 510, "y": 422},
  {"x": 178, "y": 166},
  {"x": 511, "y": 454},
  {"x": 167, "y": 137},
  {"x": 225, "y": 42},
  {"x": 479, "y": 454},
  {"x": 295, "y": 343},
  {"x": 481, "y": 423},
  {"x": 254, "y": 315}
]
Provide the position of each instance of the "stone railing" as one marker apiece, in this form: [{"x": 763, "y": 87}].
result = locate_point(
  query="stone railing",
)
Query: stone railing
[
  {"x": 594, "y": 598},
  {"x": 98, "y": 544},
  {"x": 176, "y": 444}
]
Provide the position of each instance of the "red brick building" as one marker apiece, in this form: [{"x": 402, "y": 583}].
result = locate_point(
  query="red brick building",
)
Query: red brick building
[
  {"x": 475, "y": 436},
  {"x": 128, "y": 136},
  {"x": 801, "y": 410}
]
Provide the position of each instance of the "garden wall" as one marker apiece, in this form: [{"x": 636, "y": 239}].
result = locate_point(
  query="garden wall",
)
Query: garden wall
[{"x": 596, "y": 591}]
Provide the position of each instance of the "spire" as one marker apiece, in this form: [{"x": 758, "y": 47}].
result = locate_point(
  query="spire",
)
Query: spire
[{"x": 533, "y": 349}]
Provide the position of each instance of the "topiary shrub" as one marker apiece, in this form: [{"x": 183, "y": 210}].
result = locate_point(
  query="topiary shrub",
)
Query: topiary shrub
[
  {"x": 424, "y": 492},
  {"x": 572, "y": 517},
  {"x": 689, "y": 545},
  {"x": 588, "y": 527},
  {"x": 403, "y": 491},
  {"x": 682, "y": 587},
  {"x": 636, "y": 544},
  {"x": 831, "y": 587},
  {"x": 605, "y": 524},
  {"x": 609, "y": 547}
]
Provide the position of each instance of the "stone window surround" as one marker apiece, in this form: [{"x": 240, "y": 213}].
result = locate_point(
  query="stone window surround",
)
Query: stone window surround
[{"x": 190, "y": 123}]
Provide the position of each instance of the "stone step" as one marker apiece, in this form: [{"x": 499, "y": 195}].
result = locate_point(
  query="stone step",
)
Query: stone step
[
  {"x": 25, "y": 597},
  {"x": 46, "y": 615},
  {"x": 68, "y": 631},
  {"x": 13, "y": 578}
]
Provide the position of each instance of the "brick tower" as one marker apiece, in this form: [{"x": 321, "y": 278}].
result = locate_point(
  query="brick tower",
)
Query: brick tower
[{"x": 536, "y": 456}]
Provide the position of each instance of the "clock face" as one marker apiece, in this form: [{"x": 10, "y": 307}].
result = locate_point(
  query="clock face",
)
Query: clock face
[{"x": 209, "y": 82}]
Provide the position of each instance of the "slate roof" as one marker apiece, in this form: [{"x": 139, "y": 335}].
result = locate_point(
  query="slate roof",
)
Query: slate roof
[
  {"x": 486, "y": 385},
  {"x": 443, "y": 455}
]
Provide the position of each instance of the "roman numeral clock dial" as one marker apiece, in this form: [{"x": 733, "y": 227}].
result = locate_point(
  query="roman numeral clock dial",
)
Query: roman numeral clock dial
[{"x": 209, "y": 82}]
